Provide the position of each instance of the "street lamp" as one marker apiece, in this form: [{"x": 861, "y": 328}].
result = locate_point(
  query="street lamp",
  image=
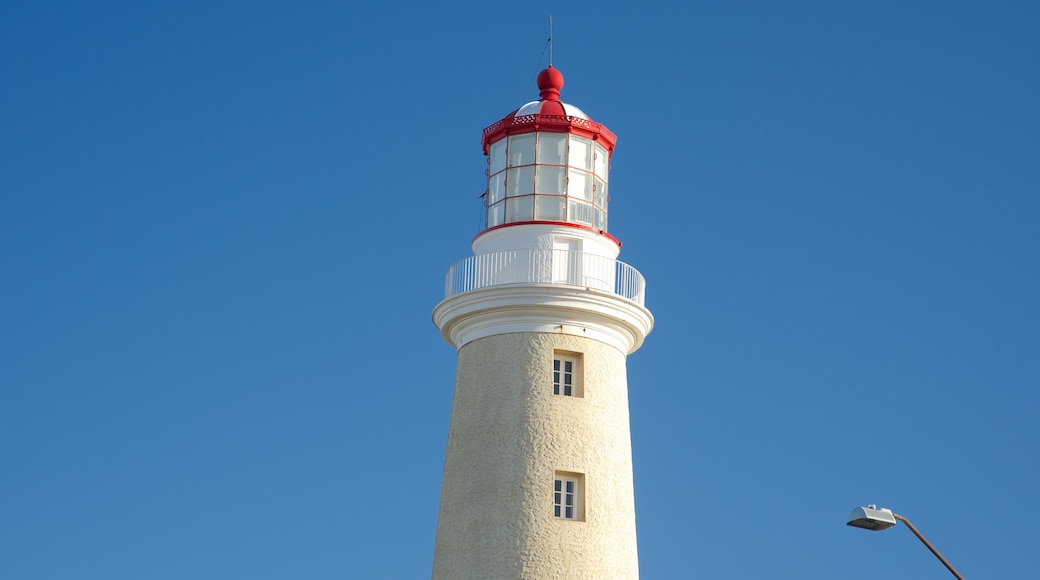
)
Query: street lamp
[{"x": 874, "y": 518}]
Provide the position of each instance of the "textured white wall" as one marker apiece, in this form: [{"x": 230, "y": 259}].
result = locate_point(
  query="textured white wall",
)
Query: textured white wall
[{"x": 509, "y": 434}]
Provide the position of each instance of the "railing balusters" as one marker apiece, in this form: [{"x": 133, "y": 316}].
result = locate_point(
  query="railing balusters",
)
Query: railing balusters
[{"x": 528, "y": 266}]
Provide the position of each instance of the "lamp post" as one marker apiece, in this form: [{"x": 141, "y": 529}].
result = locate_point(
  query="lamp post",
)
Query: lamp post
[{"x": 876, "y": 519}]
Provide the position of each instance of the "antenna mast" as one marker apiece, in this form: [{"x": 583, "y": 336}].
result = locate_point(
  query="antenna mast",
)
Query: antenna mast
[{"x": 550, "y": 40}]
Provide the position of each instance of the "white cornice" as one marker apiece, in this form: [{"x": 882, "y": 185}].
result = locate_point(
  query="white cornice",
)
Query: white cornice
[{"x": 573, "y": 310}]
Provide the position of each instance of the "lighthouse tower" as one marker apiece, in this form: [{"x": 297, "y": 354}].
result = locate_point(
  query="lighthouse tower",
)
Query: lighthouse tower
[{"x": 538, "y": 471}]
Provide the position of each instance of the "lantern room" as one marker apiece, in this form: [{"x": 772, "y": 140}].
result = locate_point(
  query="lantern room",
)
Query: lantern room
[{"x": 548, "y": 162}]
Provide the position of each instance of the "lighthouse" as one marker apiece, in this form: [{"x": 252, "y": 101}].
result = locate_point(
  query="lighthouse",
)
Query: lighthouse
[{"x": 538, "y": 471}]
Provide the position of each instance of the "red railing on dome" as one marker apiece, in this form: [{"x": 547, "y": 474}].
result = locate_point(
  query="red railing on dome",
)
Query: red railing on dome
[
  {"x": 559, "y": 122},
  {"x": 532, "y": 266}
]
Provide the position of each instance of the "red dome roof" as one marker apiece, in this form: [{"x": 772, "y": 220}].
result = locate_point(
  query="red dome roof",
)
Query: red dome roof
[{"x": 549, "y": 114}]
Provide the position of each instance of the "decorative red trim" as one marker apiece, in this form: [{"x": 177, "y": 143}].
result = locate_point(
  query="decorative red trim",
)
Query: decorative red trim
[
  {"x": 512, "y": 125},
  {"x": 549, "y": 223}
]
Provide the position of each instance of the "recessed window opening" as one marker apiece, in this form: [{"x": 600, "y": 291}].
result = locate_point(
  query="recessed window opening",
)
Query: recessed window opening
[
  {"x": 566, "y": 374},
  {"x": 568, "y": 489}
]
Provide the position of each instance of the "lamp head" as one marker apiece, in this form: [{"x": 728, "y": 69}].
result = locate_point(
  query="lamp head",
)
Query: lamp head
[{"x": 871, "y": 518}]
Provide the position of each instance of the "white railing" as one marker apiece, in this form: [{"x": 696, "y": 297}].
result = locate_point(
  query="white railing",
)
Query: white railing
[{"x": 545, "y": 267}]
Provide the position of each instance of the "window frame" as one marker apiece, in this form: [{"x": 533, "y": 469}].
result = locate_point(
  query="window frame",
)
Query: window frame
[
  {"x": 561, "y": 360},
  {"x": 568, "y": 494}
]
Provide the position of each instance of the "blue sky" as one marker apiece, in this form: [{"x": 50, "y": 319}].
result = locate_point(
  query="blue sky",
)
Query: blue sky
[{"x": 224, "y": 226}]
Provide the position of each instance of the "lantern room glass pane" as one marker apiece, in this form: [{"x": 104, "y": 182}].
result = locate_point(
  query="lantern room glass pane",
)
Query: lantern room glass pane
[
  {"x": 580, "y": 153},
  {"x": 600, "y": 164},
  {"x": 521, "y": 149},
  {"x": 496, "y": 188},
  {"x": 552, "y": 148},
  {"x": 601, "y": 219},
  {"x": 520, "y": 181},
  {"x": 579, "y": 184},
  {"x": 520, "y": 209},
  {"x": 497, "y": 157},
  {"x": 550, "y": 208},
  {"x": 496, "y": 214},
  {"x": 601, "y": 193},
  {"x": 552, "y": 179}
]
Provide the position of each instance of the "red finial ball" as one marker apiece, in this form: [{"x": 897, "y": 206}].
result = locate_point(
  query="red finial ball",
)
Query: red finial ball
[{"x": 550, "y": 81}]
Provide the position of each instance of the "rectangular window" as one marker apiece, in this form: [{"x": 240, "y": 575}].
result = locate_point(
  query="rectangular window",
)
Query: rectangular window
[
  {"x": 563, "y": 377},
  {"x": 579, "y": 185},
  {"x": 521, "y": 150},
  {"x": 496, "y": 188},
  {"x": 550, "y": 207},
  {"x": 520, "y": 209},
  {"x": 566, "y": 374},
  {"x": 552, "y": 180},
  {"x": 580, "y": 154},
  {"x": 552, "y": 148},
  {"x": 599, "y": 163},
  {"x": 496, "y": 214},
  {"x": 497, "y": 157},
  {"x": 520, "y": 181},
  {"x": 568, "y": 489}
]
